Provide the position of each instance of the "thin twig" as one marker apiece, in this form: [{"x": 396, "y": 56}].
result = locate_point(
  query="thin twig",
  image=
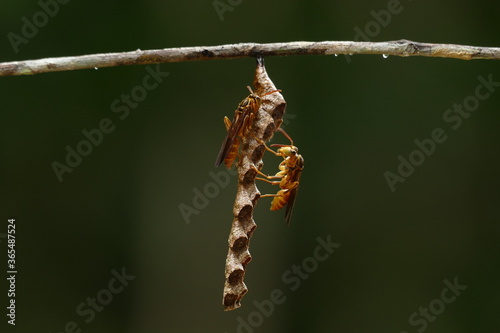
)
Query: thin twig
[{"x": 402, "y": 48}]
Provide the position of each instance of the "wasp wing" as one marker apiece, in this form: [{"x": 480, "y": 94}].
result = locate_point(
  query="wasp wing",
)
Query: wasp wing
[
  {"x": 244, "y": 110},
  {"x": 231, "y": 134},
  {"x": 294, "y": 176}
]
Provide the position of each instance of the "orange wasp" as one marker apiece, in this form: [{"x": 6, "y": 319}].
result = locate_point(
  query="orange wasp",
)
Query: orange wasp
[
  {"x": 242, "y": 121},
  {"x": 290, "y": 170}
]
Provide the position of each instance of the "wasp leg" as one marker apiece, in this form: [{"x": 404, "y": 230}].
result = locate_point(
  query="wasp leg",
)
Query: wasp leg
[
  {"x": 240, "y": 156},
  {"x": 263, "y": 174},
  {"x": 248, "y": 123},
  {"x": 227, "y": 122},
  {"x": 269, "y": 195},
  {"x": 263, "y": 143},
  {"x": 269, "y": 149},
  {"x": 290, "y": 185},
  {"x": 268, "y": 181}
]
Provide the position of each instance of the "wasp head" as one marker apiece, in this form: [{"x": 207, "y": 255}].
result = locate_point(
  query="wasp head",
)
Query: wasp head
[{"x": 287, "y": 150}]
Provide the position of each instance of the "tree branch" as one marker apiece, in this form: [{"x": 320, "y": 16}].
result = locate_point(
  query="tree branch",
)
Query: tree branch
[{"x": 402, "y": 48}]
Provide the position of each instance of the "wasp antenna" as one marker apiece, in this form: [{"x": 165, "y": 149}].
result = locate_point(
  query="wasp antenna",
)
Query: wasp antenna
[
  {"x": 249, "y": 88},
  {"x": 279, "y": 145},
  {"x": 286, "y": 135},
  {"x": 271, "y": 92}
]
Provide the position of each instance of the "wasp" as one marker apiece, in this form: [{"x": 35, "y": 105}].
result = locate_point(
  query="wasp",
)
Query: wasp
[
  {"x": 290, "y": 170},
  {"x": 242, "y": 121}
]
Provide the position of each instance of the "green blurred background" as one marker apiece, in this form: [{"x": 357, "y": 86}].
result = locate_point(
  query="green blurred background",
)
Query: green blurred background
[{"x": 351, "y": 119}]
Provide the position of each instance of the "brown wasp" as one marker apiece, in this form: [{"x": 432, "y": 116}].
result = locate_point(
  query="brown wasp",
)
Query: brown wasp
[
  {"x": 242, "y": 121},
  {"x": 290, "y": 170}
]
